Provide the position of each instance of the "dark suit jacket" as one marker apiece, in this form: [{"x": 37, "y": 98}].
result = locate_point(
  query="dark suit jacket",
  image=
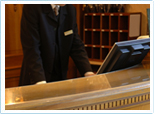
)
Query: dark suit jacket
[{"x": 38, "y": 42}]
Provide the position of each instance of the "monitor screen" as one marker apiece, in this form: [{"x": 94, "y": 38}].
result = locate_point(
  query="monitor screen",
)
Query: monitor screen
[{"x": 125, "y": 54}]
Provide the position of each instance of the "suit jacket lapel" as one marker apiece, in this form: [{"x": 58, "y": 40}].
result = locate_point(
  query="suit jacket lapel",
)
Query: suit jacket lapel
[
  {"x": 63, "y": 13},
  {"x": 48, "y": 10}
]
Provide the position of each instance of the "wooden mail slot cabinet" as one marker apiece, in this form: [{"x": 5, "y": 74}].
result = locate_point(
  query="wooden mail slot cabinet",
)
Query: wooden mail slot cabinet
[{"x": 102, "y": 30}]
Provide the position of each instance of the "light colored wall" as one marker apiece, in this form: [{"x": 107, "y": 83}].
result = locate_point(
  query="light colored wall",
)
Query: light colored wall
[{"x": 139, "y": 8}]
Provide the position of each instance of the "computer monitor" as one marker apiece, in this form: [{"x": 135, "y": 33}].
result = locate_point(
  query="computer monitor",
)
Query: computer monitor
[{"x": 125, "y": 54}]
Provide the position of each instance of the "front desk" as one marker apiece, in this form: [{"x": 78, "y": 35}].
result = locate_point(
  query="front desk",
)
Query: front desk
[{"x": 124, "y": 89}]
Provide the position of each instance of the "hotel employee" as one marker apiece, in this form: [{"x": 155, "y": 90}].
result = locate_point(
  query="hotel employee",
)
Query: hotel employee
[{"x": 48, "y": 38}]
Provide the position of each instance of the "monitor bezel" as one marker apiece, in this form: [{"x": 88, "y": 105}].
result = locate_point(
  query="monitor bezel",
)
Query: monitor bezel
[{"x": 116, "y": 45}]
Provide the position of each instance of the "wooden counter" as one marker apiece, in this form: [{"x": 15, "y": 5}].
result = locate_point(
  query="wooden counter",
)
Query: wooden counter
[{"x": 125, "y": 89}]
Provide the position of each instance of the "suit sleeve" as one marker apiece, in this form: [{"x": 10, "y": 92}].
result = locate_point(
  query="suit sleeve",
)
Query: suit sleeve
[
  {"x": 78, "y": 52},
  {"x": 30, "y": 39}
]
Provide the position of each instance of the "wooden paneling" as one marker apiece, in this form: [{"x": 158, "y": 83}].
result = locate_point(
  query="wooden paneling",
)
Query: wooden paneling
[
  {"x": 13, "y": 13},
  {"x": 12, "y": 60},
  {"x": 13, "y": 48},
  {"x": 12, "y": 69},
  {"x": 72, "y": 69},
  {"x": 11, "y": 82},
  {"x": 12, "y": 72},
  {"x": 79, "y": 18}
]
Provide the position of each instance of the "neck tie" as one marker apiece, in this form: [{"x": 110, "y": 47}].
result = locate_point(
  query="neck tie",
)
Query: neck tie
[{"x": 56, "y": 9}]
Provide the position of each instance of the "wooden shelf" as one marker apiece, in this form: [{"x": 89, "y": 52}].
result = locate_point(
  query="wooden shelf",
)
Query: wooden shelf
[
  {"x": 95, "y": 62},
  {"x": 102, "y": 30}
]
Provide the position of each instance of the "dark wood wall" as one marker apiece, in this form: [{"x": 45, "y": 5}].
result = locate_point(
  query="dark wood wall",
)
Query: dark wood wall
[{"x": 13, "y": 48}]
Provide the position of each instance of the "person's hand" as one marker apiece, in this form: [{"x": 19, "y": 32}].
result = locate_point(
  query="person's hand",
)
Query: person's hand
[
  {"x": 41, "y": 82},
  {"x": 89, "y": 74}
]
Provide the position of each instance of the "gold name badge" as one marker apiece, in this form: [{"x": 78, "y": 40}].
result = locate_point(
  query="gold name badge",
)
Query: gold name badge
[{"x": 68, "y": 32}]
